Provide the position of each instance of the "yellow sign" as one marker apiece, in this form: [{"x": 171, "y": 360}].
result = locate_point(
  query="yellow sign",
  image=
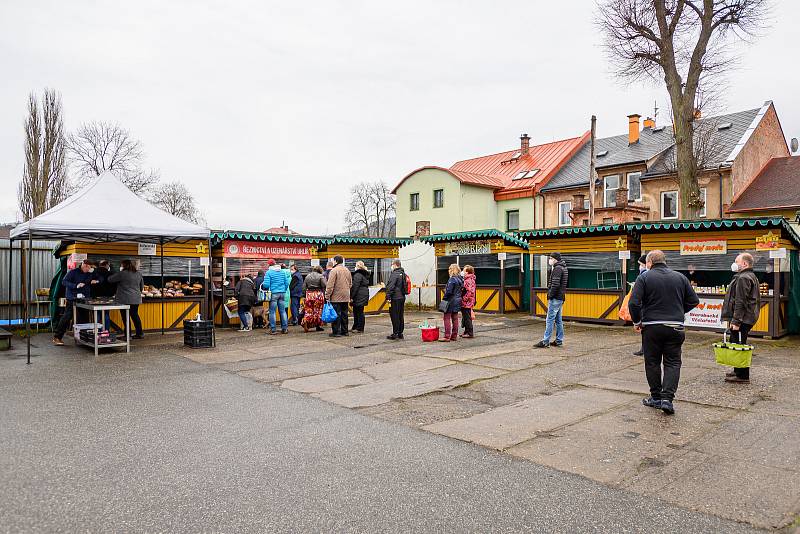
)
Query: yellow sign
[
  {"x": 201, "y": 248},
  {"x": 768, "y": 241},
  {"x": 621, "y": 242}
]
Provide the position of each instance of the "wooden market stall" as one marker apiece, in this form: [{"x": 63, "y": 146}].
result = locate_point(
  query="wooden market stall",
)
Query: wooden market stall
[
  {"x": 169, "y": 297},
  {"x": 498, "y": 259},
  {"x": 377, "y": 254},
  {"x": 707, "y": 249},
  {"x": 238, "y": 253},
  {"x": 597, "y": 258}
]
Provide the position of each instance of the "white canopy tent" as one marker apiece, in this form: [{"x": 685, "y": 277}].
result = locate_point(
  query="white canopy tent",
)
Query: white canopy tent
[{"x": 105, "y": 211}]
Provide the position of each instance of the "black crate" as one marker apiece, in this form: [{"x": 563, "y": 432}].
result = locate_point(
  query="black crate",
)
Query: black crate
[
  {"x": 198, "y": 334},
  {"x": 198, "y": 326},
  {"x": 202, "y": 342}
]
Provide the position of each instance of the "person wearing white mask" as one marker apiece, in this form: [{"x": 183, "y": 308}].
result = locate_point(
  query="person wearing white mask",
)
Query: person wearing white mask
[
  {"x": 740, "y": 308},
  {"x": 556, "y": 294}
]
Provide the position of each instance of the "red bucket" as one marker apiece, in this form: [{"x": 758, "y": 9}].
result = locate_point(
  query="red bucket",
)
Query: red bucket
[{"x": 430, "y": 334}]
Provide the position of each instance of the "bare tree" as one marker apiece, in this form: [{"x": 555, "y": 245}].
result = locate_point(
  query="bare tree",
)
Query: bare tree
[
  {"x": 372, "y": 209},
  {"x": 687, "y": 43},
  {"x": 44, "y": 178},
  {"x": 97, "y": 147},
  {"x": 175, "y": 198}
]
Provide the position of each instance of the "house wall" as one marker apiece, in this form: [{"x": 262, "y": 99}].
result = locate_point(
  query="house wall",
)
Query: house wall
[
  {"x": 478, "y": 209},
  {"x": 766, "y": 142},
  {"x": 424, "y": 182},
  {"x": 525, "y": 208}
]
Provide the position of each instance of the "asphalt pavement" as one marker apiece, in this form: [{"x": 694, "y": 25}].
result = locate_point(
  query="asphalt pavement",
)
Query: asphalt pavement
[{"x": 155, "y": 442}]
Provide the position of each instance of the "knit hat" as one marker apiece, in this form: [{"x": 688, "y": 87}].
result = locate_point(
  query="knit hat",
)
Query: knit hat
[
  {"x": 270, "y": 262},
  {"x": 643, "y": 259},
  {"x": 556, "y": 255}
]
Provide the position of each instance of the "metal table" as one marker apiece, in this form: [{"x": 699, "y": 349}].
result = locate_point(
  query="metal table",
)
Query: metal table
[{"x": 102, "y": 308}]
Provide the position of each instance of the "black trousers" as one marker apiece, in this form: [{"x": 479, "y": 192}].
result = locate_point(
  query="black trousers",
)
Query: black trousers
[
  {"x": 662, "y": 345},
  {"x": 466, "y": 321},
  {"x": 358, "y": 318},
  {"x": 66, "y": 319},
  {"x": 740, "y": 336},
  {"x": 137, "y": 322},
  {"x": 396, "y": 313},
  {"x": 339, "y": 326}
]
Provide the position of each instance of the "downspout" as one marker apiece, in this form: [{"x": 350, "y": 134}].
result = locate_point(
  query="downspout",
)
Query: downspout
[{"x": 719, "y": 175}]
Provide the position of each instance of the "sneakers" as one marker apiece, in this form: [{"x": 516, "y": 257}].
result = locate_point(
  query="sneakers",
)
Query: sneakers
[
  {"x": 639, "y": 353},
  {"x": 392, "y": 337},
  {"x": 542, "y": 345},
  {"x": 667, "y": 407},
  {"x": 736, "y": 380},
  {"x": 650, "y": 402},
  {"x": 284, "y": 331},
  {"x": 57, "y": 342},
  {"x": 273, "y": 333},
  {"x": 557, "y": 343}
]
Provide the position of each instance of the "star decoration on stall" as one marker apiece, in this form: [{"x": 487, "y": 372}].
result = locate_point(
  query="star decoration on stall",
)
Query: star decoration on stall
[
  {"x": 621, "y": 242},
  {"x": 201, "y": 248}
]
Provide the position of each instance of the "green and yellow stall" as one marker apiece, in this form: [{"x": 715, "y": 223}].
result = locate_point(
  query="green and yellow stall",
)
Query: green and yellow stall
[
  {"x": 498, "y": 259},
  {"x": 598, "y": 260}
]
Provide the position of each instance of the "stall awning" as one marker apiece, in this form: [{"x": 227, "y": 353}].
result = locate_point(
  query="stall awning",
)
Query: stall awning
[
  {"x": 472, "y": 235},
  {"x": 787, "y": 231},
  {"x": 218, "y": 236},
  {"x": 104, "y": 211},
  {"x": 571, "y": 231}
]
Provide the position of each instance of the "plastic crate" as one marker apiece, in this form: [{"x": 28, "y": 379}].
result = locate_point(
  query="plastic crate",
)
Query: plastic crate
[{"x": 198, "y": 334}]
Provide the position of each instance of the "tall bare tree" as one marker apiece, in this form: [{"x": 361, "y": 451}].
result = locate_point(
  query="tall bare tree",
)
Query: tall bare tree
[
  {"x": 687, "y": 43},
  {"x": 97, "y": 147},
  {"x": 44, "y": 178},
  {"x": 372, "y": 209},
  {"x": 175, "y": 198}
]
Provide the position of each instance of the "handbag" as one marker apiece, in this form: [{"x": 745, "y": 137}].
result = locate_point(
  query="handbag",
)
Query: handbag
[
  {"x": 329, "y": 314},
  {"x": 443, "y": 304}
]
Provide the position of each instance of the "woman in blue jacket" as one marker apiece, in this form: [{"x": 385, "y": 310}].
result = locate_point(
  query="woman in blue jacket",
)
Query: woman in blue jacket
[{"x": 452, "y": 294}]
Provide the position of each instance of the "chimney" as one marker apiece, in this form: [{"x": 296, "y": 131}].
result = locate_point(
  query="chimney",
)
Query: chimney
[
  {"x": 697, "y": 113},
  {"x": 633, "y": 128},
  {"x": 649, "y": 122},
  {"x": 524, "y": 144}
]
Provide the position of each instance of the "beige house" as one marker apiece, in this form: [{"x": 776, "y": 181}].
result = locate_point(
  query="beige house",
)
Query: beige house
[{"x": 636, "y": 180}]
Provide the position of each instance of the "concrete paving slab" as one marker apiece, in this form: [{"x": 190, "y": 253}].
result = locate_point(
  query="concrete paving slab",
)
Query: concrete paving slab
[
  {"x": 506, "y": 426},
  {"x": 268, "y": 375},
  {"x": 342, "y": 364},
  {"x": 404, "y": 367},
  {"x": 215, "y": 356},
  {"x": 466, "y": 350},
  {"x": 613, "y": 446},
  {"x": 420, "y": 411},
  {"x": 711, "y": 388},
  {"x": 633, "y": 380},
  {"x": 383, "y": 391},
  {"x": 414, "y": 347},
  {"x": 516, "y": 361},
  {"x": 327, "y": 381}
]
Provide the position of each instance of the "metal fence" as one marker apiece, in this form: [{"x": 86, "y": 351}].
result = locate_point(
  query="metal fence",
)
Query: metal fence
[{"x": 43, "y": 267}]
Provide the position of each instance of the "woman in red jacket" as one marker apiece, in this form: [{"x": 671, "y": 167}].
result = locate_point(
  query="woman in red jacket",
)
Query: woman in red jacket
[{"x": 468, "y": 301}]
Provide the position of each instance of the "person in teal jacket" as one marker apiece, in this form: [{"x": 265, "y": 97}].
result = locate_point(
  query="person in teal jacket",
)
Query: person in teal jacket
[{"x": 276, "y": 283}]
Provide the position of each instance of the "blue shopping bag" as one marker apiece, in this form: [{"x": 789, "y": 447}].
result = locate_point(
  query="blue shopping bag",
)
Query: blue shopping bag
[{"x": 329, "y": 314}]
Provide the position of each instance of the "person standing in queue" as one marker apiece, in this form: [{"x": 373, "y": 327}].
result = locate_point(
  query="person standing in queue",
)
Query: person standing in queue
[
  {"x": 660, "y": 299},
  {"x": 287, "y": 296},
  {"x": 275, "y": 283},
  {"x": 468, "y": 301},
  {"x": 129, "y": 291},
  {"x": 642, "y": 270},
  {"x": 76, "y": 282},
  {"x": 314, "y": 289},
  {"x": 245, "y": 292},
  {"x": 396, "y": 296},
  {"x": 337, "y": 292},
  {"x": 741, "y": 308},
  {"x": 359, "y": 295},
  {"x": 295, "y": 293},
  {"x": 556, "y": 294},
  {"x": 328, "y": 268},
  {"x": 258, "y": 319},
  {"x": 452, "y": 294}
]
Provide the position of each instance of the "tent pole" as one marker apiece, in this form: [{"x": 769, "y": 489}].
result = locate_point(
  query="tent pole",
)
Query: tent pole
[
  {"x": 28, "y": 297},
  {"x": 161, "y": 252},
  {"x": 10, "y": 279},
  {"x": 210, "y": 291}
]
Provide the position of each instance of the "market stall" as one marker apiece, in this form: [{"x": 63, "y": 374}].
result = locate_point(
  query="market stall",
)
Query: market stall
[
  {"x": 105, "y": 211},
  {"x": 377, "y": 254},
  {"x": 498, "y": 259},
  {"x": 599, "y": 260},
  {"x": 235, "y": 254},
  {"x": 704, "y": 252}
]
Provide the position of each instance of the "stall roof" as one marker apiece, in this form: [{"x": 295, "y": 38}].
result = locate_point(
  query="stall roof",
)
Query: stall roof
[
  {"x": 363, "y": 240},
  {"x": 219, "y": 236},
  {"x": 571, "y": 231},
  {"x": 475, "y": 234},
  {"x": 761, "y": 222},
  {"x": 106, "y": 210}
]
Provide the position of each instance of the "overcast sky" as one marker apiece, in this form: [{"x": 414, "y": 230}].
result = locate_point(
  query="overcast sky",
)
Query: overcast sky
[{"x": 271, "y": 111}]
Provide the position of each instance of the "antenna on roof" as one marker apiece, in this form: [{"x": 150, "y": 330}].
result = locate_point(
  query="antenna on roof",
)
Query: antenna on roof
[
  {"x": 793, "y": 145},
  {"x": 655, "y": 110}
]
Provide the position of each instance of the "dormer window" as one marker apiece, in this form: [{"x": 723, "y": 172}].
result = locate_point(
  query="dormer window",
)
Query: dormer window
[
  {"x": 724, "y": 126},
  {"x": 602, "y": 153}
]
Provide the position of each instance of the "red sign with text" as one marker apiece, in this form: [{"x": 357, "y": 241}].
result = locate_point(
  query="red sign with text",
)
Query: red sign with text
[{"x": 248, "y": 249}]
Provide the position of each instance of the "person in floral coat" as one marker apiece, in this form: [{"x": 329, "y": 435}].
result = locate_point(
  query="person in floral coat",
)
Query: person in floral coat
[{"x": 468, "y": 301}]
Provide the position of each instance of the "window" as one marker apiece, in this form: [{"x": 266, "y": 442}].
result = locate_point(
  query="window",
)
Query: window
[
  {"x": 602, "y": 153},
  {"x": 414, "y": 202},
  {"x": 531, "y": 173},
  {"x": 669, "y": 205},
  {"x": 703, "y": 198},
  {"x": 520, "y": 175},
  {"x": 610, "y": 186},
  {"x": 608, "y": 220},
  {"x": 438, "y": 198},
  {"x": 512, "y": 220},
  {"x": 563, "y": 213},
  {"x": 586, "y": 203},
  {"x": 634, "y": 186}
]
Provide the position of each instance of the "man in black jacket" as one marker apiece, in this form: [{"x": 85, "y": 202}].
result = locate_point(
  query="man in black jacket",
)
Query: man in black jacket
[
  {"x": 740, "y": 308},
  {"x": 396, "y": 295},
  {"x": 556, "y": 294},
  {"x": 659, "y": 302}
]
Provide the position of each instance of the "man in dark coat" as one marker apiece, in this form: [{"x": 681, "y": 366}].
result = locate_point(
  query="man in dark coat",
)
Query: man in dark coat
[
  {"x": 295, "y": 294},
  {"x": 659, "y": 302},
  {"x": 396, "y": 295},
  {"x": 359, "y": 295},
  {"x": 77, "y": 284},
  {"x": 556, "y": 294},
  {"x": 740, "y": 308}
]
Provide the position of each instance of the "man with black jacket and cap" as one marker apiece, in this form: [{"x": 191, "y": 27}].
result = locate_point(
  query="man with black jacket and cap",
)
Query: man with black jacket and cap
[
  {"x": 396, "y": 296},
  {"x": 659, "y": 302},
  {"x": 556, "y": 294}
]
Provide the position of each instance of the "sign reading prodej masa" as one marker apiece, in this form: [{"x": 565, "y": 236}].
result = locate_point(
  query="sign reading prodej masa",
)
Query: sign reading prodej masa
[
  {"x": 246, "y": 249},
  {"x": 702, "y": 247},
  {"x": 707, "y": 314}
]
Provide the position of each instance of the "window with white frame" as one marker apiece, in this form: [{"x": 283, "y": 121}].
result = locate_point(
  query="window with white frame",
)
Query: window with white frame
[
  {"x": 512, "y": 220},
  {"x": 634, "y": 186},
  {"x": 563, "y": 213},
  {"x": 703, "y": 198},
  {"x": 669, "y": 204},
  {"x": 610, "y": 186}
]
